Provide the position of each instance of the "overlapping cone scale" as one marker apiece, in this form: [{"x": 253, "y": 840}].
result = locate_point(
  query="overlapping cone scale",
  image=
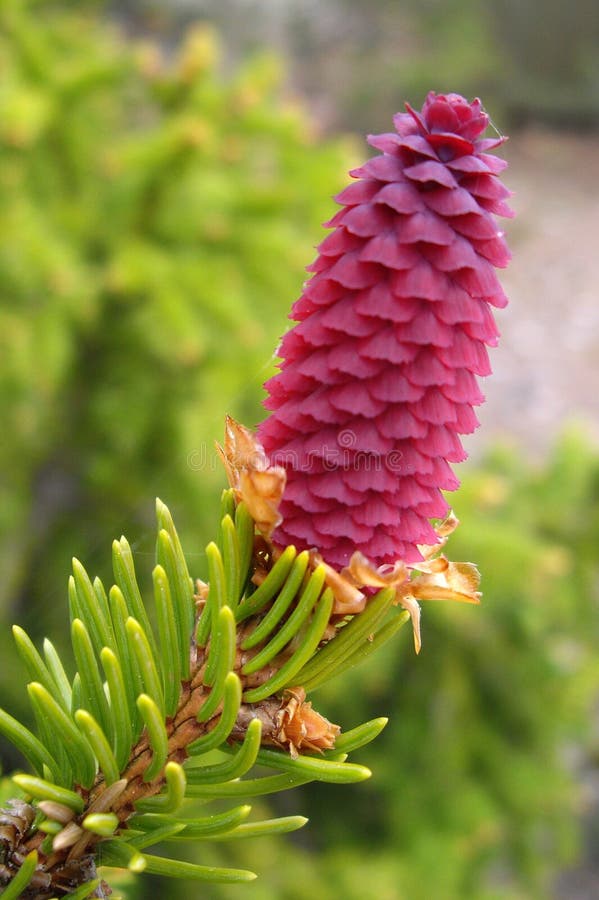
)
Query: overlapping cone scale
[{"x": 377, "y": 378}]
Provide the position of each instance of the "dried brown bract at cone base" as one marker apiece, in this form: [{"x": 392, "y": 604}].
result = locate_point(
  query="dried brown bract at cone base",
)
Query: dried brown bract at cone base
[
  {"x": 250, "y": 474},
  {"x": 434, "y": 578}
]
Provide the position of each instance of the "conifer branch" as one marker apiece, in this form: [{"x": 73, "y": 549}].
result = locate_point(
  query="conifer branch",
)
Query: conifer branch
[{"x": 130, "y": 731}]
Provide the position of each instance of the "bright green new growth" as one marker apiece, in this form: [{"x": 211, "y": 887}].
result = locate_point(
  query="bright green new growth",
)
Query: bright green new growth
[{"x": 123, "y": 743}]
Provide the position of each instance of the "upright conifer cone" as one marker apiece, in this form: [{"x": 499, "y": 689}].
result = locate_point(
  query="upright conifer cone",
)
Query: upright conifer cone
[{"x": 377, "y": 379}]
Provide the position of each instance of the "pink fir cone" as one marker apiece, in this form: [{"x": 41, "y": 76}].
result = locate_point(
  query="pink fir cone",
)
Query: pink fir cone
[{"x": 378, "y": 379}]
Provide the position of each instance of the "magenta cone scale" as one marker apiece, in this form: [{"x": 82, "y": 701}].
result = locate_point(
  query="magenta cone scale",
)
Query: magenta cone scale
[{"x": 378, "y": 377}]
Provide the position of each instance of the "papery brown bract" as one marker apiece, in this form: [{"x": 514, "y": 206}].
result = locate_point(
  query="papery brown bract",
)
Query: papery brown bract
[
  {"x": 434, "y": 577},
  {"x": 256, "y": 482}
]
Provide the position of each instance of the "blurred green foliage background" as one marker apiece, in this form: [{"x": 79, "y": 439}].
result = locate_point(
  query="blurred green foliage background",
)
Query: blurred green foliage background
[{"x": 159, "y": 202}]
